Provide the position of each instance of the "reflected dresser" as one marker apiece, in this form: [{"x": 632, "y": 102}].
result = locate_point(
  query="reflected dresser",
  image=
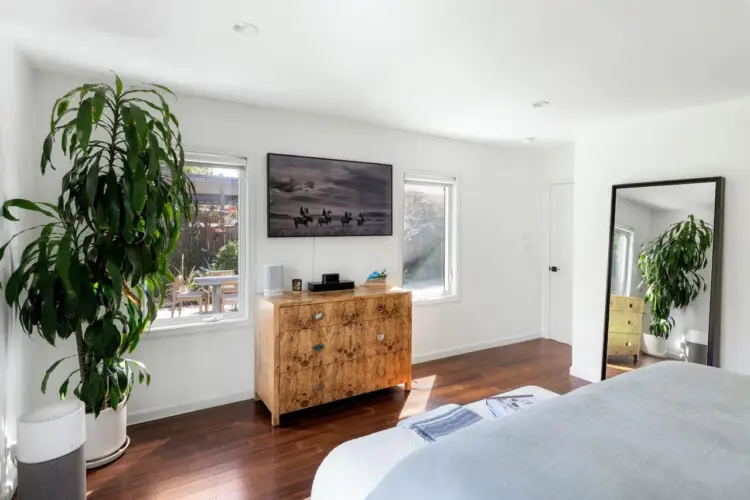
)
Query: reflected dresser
[
  {"x": 625, "y": 326},
  {"x": 314, "y": 348}
]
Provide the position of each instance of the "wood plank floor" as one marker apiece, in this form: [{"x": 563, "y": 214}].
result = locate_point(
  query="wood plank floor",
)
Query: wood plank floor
[{"x": 232, "y": 452}]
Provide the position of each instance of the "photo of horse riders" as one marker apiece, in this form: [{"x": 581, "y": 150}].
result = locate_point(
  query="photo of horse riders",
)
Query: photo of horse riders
[{"x": 320, "y": 197}]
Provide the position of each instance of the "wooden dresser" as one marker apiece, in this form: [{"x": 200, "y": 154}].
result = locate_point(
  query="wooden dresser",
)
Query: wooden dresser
[
  {"x": 625, "y": 326},
  {"x": 313, "y": 348}
]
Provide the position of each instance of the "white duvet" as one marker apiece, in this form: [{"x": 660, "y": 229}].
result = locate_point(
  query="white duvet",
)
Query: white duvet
[{"x": 353, "y": 469}]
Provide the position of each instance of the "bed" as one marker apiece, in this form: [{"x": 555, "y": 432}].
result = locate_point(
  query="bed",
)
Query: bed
[
  {"x": 669, "y": 431},
  {"x": 353, "y": 469}
]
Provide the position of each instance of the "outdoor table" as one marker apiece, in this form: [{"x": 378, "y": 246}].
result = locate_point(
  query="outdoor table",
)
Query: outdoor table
[{"x": 216, "y": 283}]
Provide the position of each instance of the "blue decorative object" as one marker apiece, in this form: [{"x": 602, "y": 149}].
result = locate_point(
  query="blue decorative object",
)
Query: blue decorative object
[{"x": 375, "y": 275}]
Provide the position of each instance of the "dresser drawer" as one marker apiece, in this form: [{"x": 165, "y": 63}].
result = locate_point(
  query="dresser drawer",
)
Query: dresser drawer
[
  {"x": 386, "y": 335},
  {"x": 346, "y": 312},
  {"x": 302, "y": 349},
  {"x": 388, "y": 306},
  {"x": 623, "y": 344},
  {"x": 625, "y": 322},
  {"x": 627, "y": 304},
  {"x": 305, "y": 317},
  {"x": 315, "y": 386},
  {"x": 386, "y": 370},
  {"x": 306, "y": 388}
]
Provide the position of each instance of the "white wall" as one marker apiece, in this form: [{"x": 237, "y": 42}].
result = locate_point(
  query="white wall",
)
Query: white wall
[
  {"x": 705, "y": 141},
  {"x": 501, "y": 242},
  {"x": 15, "y": 80}
]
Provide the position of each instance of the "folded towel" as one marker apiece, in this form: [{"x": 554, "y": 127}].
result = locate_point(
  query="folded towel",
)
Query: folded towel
[
  {"x": 440, "y": 422},
  {"x": 500, "y": 406}
]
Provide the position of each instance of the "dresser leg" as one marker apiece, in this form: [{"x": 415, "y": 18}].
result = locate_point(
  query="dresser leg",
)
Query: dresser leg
[
  {"x": 275, "y": 419},
  {"x": 407, "y": 385}
]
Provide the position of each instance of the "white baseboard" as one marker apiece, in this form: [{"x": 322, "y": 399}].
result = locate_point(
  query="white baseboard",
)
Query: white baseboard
[
  {"x": 455, "y": 351},
  {"x": 142, "y": 416}
]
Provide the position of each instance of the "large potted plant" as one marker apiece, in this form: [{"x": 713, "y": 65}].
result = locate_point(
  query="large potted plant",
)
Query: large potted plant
[
  {"x": 671, "y": 266},
  {"x": 96, "y": 268}
]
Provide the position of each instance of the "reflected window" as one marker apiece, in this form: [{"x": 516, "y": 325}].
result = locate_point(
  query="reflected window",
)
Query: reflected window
[{"x": 622, "y": 261}]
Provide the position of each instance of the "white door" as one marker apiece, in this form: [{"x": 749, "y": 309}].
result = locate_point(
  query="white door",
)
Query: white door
[{"x": 561, "y": 263}]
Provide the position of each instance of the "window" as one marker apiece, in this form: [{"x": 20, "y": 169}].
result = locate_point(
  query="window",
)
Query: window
[
  {"x": 429, "y": 252},
  {"x": 208, "y": 260},
  {"x": 622, "y": 261}
]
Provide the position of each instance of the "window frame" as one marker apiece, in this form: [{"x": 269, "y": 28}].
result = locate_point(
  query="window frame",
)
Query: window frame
[
  {"x": 222, "y": 321},
  {"x": 628, "y": 280},
  {"x": 451, "y": 286}
]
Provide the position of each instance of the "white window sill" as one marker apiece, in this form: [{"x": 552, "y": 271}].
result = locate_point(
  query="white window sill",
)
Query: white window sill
[
  {"x": 435, "y": 300},
  {"x": 176, "y": 329}
]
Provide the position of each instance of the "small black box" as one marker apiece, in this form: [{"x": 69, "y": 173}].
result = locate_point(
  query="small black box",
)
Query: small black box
[
  {"x": 317, "y": 286},
  {"x": 330, "y": 278}
]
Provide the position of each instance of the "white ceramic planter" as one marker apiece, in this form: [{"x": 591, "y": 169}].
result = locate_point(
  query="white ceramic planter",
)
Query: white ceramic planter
[
  {"x": 106, "y": 437},
  {"x": 654, "y": 346}
]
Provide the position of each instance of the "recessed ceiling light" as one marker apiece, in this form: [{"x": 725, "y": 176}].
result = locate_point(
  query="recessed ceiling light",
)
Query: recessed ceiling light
[
  {"x": 529, "y": 139},
  {"x": 244, "y": 28},
  {"x": 541, "y": 104}
]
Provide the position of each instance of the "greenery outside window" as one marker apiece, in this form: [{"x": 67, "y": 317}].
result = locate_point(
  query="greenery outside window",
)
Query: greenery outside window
[
  {"x": 207, "y": 262},
  {"x": 429, "y": 247}
]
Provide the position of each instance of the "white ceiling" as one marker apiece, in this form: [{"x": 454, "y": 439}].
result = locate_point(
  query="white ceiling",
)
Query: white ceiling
[
  {"x": 460, "y": 68},
  {"x": 675, "y": 197}
]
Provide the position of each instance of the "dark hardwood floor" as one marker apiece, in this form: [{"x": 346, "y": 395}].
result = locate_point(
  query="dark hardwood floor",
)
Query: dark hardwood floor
[
  {"x": 232, "y": 452},
  {"x": 617, "y": 365}
]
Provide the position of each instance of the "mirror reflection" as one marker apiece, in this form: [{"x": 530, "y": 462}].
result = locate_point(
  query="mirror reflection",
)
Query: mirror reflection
[{"x": 660, "y": 275}]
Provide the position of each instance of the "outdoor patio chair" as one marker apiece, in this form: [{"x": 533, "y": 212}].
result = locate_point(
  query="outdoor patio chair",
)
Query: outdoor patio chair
[
  {"x": 181, "y": 294},
  {"x": 230, "y": 295}
]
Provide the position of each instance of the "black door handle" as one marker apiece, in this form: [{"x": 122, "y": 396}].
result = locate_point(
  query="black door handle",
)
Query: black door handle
[{"x": 554, "y": 269}]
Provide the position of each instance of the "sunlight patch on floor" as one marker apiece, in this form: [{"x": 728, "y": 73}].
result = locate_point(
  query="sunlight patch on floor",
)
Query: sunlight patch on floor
[{"x": 416, "y": 401}]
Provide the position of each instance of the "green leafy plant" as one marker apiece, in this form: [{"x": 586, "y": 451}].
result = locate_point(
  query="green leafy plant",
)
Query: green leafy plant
[
  {"x": 671, "y": 266},
  {"x": 97, "y": 268},
  {"x": 227, "y": 257}
]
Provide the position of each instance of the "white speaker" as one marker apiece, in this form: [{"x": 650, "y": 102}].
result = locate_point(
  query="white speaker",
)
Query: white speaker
[{"x": 273, "y": 277}]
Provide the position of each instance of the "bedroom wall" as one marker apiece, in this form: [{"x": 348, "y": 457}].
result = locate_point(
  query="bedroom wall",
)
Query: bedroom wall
[
  {"x": 501, "y": 242},
  {"x": 697, "y": 142},
  {"x": 14, "y": 101}
]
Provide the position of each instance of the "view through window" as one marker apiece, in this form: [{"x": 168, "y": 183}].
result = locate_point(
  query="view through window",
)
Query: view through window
[
  {"x": 428, "y": 255},
  {"x": 622, "y": 252},
  {"x": 206, "y": 260}
]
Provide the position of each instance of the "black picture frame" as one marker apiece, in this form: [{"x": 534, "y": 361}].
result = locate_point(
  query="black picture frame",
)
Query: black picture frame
[
  {"x": 714, "y": 321},
  {"x": 270, "y": 234}
]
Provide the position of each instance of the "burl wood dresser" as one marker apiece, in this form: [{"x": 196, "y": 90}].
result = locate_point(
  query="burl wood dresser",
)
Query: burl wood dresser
[
  {"x": 313, "y": 348},
  {"x": 625, "y": 326}
]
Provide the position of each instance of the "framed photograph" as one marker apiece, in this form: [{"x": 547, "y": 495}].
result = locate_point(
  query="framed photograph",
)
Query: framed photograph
[{"x": 324, "y": 197}]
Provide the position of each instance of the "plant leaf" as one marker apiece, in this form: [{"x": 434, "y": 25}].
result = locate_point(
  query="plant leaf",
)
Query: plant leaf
[
  {"x": 84, "y": 123},
  {"x": 46, "y": 152},
  {"x": 49, "y": 372},
  {"x": 97, "y": 105}
]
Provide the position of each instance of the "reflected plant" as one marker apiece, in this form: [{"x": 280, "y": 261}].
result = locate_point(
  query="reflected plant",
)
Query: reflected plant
[{"x": 671, "y": 266}]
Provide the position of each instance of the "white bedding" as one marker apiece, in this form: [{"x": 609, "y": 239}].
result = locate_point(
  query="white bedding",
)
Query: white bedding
[
  {"x": 669, "y": 431},
  {"x": 353, "y": 469}
]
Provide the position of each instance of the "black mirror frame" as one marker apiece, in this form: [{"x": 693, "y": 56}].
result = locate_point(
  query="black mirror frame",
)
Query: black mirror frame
[{"x": 714, "y": 312}]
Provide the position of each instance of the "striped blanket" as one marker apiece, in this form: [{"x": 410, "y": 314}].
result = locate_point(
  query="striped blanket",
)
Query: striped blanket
[{"x": 440, "y": 422}]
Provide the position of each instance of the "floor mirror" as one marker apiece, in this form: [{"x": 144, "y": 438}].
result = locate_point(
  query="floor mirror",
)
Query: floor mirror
[{"x": 664, "y": 280}]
